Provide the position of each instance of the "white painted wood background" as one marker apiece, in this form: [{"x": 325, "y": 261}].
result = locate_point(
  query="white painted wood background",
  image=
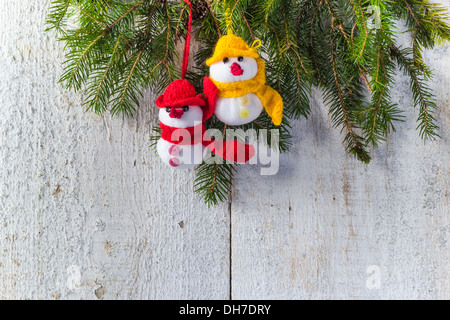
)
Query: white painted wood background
[{"x": 88, "y": 212}]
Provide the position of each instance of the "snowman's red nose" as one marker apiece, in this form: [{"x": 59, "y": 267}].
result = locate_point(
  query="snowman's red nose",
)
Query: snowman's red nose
[
  {"x": 176, "y": 113},
  {"x": 236, "y": 69}
]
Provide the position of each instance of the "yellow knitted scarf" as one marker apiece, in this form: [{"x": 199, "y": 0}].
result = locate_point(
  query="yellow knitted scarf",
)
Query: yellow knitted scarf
[{"x": 271, "y": 100}]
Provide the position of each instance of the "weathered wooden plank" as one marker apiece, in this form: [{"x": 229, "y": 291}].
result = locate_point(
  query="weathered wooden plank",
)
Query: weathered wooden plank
[
  {"x": 87, "y": 210},
  {"x": 326, "y": 225}
]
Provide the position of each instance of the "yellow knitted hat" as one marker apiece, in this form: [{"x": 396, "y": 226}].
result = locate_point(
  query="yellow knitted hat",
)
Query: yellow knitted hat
[{"x": 233, "y": 46}]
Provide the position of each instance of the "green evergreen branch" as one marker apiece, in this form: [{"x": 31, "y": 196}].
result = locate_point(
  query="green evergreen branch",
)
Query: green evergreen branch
[
  {"x": 412, "y": 13},
  {"x": 125, "y": 14},
  {"x": 73, "y": 70},
  {"x": 115, "y": 49},
  {"x": 377, "y": 119},
  {"x": 213, "y": 181},
  {"x": 58, "y": 11},
  {"x": 216, "y": 23},
  {"x": 422, "y": 95},
  {"x": 154, "y": 138},
  {"x": 98, "y": 93},
  {"x": 127, "y": 83},
  {"x": 311, "y": 42},
  {"x": 354, "y": 142},
  {"x": 91, "y": 17},
  {"x": 366, "y": 33}
]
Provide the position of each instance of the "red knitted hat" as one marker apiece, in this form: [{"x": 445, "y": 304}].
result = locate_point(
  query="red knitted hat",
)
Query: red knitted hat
[{"x": 178, "y": 94}]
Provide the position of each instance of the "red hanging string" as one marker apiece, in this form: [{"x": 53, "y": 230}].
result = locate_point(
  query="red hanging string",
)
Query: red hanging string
[{"x": 188, "y": 43}]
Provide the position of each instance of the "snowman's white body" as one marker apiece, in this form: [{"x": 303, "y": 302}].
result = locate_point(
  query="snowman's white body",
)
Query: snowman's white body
[
  {"x": 181, "y": 156},
  {"x": 237, "y": 110},
  {"x": 187, "y": 156}
]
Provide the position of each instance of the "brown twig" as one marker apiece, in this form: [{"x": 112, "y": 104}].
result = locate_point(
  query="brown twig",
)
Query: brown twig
[
  {"x": 125, "y": 14},
  {"x": 412, "y": 13},
  {"x": 88, "y": 15},
  {"x": 178, "y": 24},
  {"x": 248, "y": 25},
  {"x": 363, "y": 75},
  {"x": 214, "y": 18},
  {"x": 366, "y": 33}
]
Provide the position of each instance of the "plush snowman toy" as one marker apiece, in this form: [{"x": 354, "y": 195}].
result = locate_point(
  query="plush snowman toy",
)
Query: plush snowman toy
[
  {"x": 236, "y": 110},
  {"x": 239, "y": 75},
  {"x": 182, "y": 113}
]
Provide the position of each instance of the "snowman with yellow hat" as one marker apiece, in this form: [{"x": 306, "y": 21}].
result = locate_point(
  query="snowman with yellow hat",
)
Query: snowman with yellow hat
[{"x": 239, "y": 74}]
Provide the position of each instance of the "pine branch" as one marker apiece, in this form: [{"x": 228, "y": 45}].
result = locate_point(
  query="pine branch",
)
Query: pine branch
[
  {"x": 213, "y": 182},
  {"x": 99, "y": 90},
  {"x": 115, "y": 49},
  {"x": 311, "y": 42},
  {"x": 73, "y": 76},
  {"x": 58, "y": 11},
  {"x": 343, "y": 108},
  {"x": 423, "y": 97},
  {"x": 154, "y": 138},
  {"x": 377, "y": 119},
  {"x": 125, "y": 14},
  {"x": 90, "y": 16}
]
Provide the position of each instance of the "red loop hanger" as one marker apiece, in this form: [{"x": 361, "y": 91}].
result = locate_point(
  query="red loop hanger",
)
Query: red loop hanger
[{"x": 188, "y": 43}]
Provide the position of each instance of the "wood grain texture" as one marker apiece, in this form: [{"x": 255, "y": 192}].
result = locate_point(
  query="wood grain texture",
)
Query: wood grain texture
[
  {"x": 314, "y": 230},
  {"x": 87, "y": 211}
]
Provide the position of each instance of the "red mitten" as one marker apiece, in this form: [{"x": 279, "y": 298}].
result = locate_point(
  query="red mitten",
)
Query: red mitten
[{"x": 233, "y": 150}]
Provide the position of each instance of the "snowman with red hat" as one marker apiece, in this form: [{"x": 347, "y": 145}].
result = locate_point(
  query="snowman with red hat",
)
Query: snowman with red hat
[{"x": 182, "y": 114}]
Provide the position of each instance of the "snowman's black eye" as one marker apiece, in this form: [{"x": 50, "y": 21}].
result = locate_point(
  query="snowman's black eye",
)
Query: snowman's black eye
[
  {"x": 240, "y": 59},
  {"x": 225, "y": 60},
  {"x": 168, "y": 109},
  {"x": 185, "y": 108}
]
